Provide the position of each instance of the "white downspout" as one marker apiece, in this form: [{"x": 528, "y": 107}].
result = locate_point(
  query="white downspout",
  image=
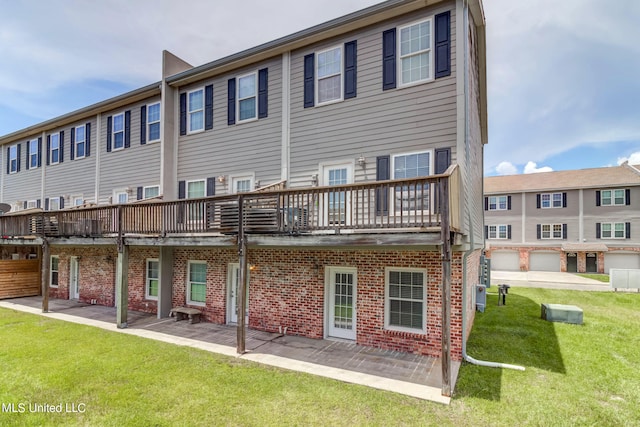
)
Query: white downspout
[{"x": 472, "y": 248}]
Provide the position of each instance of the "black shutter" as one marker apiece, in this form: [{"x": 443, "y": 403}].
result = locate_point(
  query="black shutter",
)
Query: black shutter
[
  {"x": 350, "y": 69},
  {"x": 509, "y": 232},
  {"x": 73, "y": 144},
  {"x": 389, "y": 59},
  {"x": 182, "y": 189},
  {"x": 18, "y": 158},
  {"x": 109, "y": 132},
  {"x": 564, "y": 231},
  {"x": 61, "y": 152},
  {"x": 263, "y": 93},
  {"x": 49, "y": 148},
  {"x": 443, "y": 44},
  {"x": 143, "y": 125},
  {"x": 383, "y": 173},
  {"x": 127, "y": 129},
  {"x": 538, "y": 231},
  {"x": 486, "y": 231},
  {"x": 183, "y": 114},
  {"x": 309, "y": 80},
  {"x": 538, "y": 201},
  {"x": 28, "y": 163},
  {"x": 208, "y": 107},
  {"x": 564, "y": 200},
  {"x": 87, "y": 141},
  {"x": 39, "y": 151},
  {"x": 486, "y": 203},
  {"x": 211, "y": 186},
  {"x": 140, "y": 193},
  {"x": 598, "y": 202},
  {"x": 61, "y": 202},
  {"x": 597, "y": 230},
  {"x": 508, "y": 203},
  {"x": 46, "y": 204},
  {"x": 627, "y": 197},
  {"x": 38, "y": 203},
  {"x": 443, "y": 159},
  {"x": 627, "y": 230},
  {"x": 24, "y": 205},
  {"x": 231, "y": 102},
  {"x": 8, "y": 160}
]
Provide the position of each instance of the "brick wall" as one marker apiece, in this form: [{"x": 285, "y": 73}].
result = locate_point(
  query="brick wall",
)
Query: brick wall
[{"x": 137, "y": 279}]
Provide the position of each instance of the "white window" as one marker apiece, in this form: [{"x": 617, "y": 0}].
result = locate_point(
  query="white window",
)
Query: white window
[
  {"x": 34, "y": 153},
  {"x": 613, "y": 198},
  {"x": 80, "y": 142},
  {"x": 54, "y": 203},
  {"x": 416, "y": 59},
  {"x": 153, "y": 122},
  {"x": 498, "y": 203},
  {"x": 613, "y": 230},
  {"x": 151, "y": 191},
  {"x": 498, "y": 232},
  {"x": 329, "y": 75},
  {"x": 54, "y": 149},
  {"x": 247, "y": 97},
  {"x": 412, "y": 198},
  {"x": 13, "y": 159},
  {"x": 197, "y": 282},
  {"x": 405, "y": 302},
  {"x": 53, "y": 271},
  {"x": 77, "y": 200},
  {"x": 551, "y": 231},
  {"x": 551, "y": 200},
  {"x": 241, "y": 184},
  {"x": 31, "y": 204},
  {"x": 152, "y": 279},
  {"x": 195, "y": 110},
  {"x": 117, "y": 131},
  {"x": 120, "y": 196},
  {"x": 196, "y": 190}
]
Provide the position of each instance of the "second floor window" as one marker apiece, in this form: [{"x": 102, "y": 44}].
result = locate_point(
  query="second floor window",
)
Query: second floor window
[
  {"x": 498, "y": 203},
  {"x": 613, "y": 197},
  {"x": 118, "y": 131},
  {"x": 415, "y": 53},
  {"x": 329, "y": 75},
  {"x": 149, "y": 192},
  {"x": 551, "y": 231},
  {"x": 247, "y": 97},
  {"x": 552, "y": 200},
  {"x": 195, "y": 110},
  {"x": 80, "y": 142},
  {"x": 153, "y": 122},
  {"x": 54, "y": 148},
  {"x": 13, "y": 159},
  {"x": 612, "y": 230},
  {"x": 498, "y": 232},
  {"x": 34, "y": 153}
]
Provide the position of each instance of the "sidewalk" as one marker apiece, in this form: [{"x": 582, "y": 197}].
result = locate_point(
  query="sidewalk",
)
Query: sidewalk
[{"x": 548, "y": 280}]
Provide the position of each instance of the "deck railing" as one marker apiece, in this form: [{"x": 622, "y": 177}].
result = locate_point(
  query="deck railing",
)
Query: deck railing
[{"x": 413, "y": 203}]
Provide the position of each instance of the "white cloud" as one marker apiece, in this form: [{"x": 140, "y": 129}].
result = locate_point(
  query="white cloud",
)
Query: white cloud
[
  {"x": 633, "y": 159},
  {"x": 506, "y": 168},
  {"x": 532, "y": 167}
]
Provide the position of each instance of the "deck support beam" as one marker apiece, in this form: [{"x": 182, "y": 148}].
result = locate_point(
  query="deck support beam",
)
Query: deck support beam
[
  {"x": 122, "y": 277},
  {"x": 45, "y": 254},
  {"x": 446, "y": 287},
  {"x": 166, "y": 278},
  {"x": 242, "y": 279}
]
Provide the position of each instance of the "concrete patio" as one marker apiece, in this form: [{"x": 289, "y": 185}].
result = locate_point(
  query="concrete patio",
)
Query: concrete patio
[{"x": 413, "y": 375}]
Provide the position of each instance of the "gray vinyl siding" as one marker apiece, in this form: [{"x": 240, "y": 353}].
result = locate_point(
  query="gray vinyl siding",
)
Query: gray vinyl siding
[
  {"x": 72, "y": 177},
  {"x": 24, "y": 185},
  {"x": 252, "y": 147},
  {"x": 568, "y": 215},
  {"x": 512, "y": 217},
  {"x": 625, "y": 213},
  {"x": 376, "y": 122},
  {"x": 132, "y": 167},
  {"x": 472, "y": 160}
]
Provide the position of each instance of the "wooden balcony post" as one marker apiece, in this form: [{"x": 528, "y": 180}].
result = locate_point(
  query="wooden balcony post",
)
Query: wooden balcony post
[
  {"x": 242, "y": 279},
  {"x": 122, "y": 276},
  {"x": 45, "y": 254},
  {"x": 445, "y": 359}
]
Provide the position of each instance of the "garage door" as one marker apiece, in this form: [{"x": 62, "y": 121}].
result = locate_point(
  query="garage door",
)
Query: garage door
[
  {"x": 544, "y": 261},
  {"x": 505, "y": 261},
  {"x": 621, "y": 260}
]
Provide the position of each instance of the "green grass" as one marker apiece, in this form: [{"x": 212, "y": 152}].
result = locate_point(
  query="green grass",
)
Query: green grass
[
  {"x": 600, "y": 277},
  {"x": 576, "y": 375}
]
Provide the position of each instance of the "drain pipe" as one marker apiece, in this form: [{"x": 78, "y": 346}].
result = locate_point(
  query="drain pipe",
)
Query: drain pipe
[{"x": 472, "y": 247}]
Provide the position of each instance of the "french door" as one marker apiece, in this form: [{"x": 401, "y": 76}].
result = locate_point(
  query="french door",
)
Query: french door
[{"x": 341, "y": 302}]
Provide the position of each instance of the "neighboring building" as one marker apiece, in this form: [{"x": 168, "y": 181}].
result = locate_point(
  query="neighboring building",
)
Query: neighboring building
[
  {"x": 334, "y": 141},
  {"x": 575, "y": 221}
]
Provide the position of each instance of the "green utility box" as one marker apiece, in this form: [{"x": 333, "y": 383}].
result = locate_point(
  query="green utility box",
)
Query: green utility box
[{"x": 562, "y": 313}]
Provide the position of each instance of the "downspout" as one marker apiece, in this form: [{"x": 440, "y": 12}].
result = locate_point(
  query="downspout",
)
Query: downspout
[{"x": 472, "y": 248}]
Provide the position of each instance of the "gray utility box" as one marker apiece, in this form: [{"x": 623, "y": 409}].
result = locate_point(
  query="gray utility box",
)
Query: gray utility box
[
  {"x": 562, "y": 313},
  {"x": 481, "y": 297}
]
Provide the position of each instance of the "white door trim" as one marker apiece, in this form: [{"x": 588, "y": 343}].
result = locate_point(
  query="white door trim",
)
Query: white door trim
[
  {"x": 324, "y": 174},
  {"x": 232, "y": 288},
  {"x": 331, "y": 330},
  {"x": 74, "y": 278}
]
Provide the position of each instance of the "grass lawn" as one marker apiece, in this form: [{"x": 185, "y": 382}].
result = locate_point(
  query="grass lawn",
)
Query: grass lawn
[
  {"x": 576, "y": 375},
  {"x": 600, "y": 277}
]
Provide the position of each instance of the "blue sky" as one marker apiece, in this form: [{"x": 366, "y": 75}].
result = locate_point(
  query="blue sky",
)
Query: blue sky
[{"x": 562, "y": 83}]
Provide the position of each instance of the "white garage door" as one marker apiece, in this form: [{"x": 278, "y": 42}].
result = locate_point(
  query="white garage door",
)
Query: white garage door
[
  {"x": 544, "y": 261},
  {"x": 621, "y": 260},
  {"x": 505, "y": 261}
]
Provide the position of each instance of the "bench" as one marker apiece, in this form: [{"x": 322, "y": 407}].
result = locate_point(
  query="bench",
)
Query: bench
[{"x": 183, "y": 312}]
